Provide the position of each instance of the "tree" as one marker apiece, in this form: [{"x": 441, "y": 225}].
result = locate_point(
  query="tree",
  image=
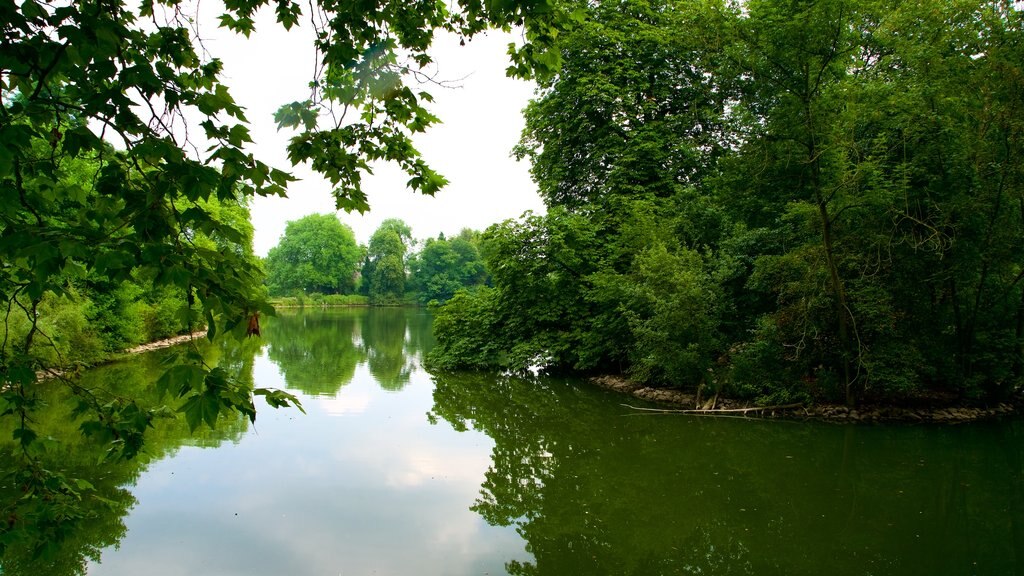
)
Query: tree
[
  {"x": 445, "y": 266},
  {"x": 633, "y": 109},
  {"x": 628, "y": 128},
  {"x": 384, "y": 268},
  {"x": 804, "y": 203},
  {"x": 861, "y": 142},
  {"x": 316, "y": 254},
  {"x": 127, "y": 88}
]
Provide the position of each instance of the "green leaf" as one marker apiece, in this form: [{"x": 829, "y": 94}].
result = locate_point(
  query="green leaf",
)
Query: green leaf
[
  {"x": 201, "y": 408},
  {"x": 211, "y": 325},
  {"x": 32, "y": 10},
  {"x": 279, "y": 398},
  {"x": 181, "y": 379},
  {"x": 24, "y": 435}
]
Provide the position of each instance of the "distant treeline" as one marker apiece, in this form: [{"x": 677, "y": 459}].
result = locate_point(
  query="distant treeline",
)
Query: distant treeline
[{"x": 318, "y": 262}]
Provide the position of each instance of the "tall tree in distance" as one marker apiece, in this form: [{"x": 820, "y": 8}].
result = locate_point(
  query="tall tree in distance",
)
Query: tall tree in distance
[
  {"x": 317, "y": 253},
  {"x": 384, "y": 270}
]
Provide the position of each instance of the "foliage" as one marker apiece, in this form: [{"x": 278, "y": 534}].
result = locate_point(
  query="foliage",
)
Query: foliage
[
  {"x": 384, "y": 269},
  {"x": 119, "y": 146},
  {"x": 443, "y": 267},
  {"x": 797, "y": 200},
  {"x": 317, "y": 299},
  {"x": 316, "y": 254}
]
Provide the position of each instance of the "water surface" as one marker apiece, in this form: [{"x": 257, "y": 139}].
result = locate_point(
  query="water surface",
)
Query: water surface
[{"x": 393, "y": 471}]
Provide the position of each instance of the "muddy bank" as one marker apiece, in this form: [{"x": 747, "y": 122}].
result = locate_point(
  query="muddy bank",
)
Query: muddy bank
[{"x": 687, "y": 402}]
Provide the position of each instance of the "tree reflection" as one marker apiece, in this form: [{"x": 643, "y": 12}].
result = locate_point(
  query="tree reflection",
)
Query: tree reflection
[
  {"x": 315, "y": 351},
  {"x": 420, "y": 337},
  {"x": 596, "y": 489},
  {"x": 384, "y": 343},
  {"x": 58, "y": 538}
]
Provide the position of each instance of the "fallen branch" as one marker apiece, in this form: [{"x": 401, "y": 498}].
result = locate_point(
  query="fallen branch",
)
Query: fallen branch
[{"x": 719, "y": 410}]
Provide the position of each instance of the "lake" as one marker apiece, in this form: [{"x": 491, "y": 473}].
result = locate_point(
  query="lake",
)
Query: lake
[{"x": 393, "y": 471}]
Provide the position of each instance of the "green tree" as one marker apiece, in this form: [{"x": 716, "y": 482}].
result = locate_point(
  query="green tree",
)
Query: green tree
[
  {"x": 861, "y": 143},
  {"x": 384, "y": 269},
  {"x": 618, "y": 139},
  {"x": 633, "y": 109},
  {"x": 803, "y": 200},
  {"x": 445, "y": 266},
  {"x": 126, "y": 87},
  {"x": 317, "y": 253}
]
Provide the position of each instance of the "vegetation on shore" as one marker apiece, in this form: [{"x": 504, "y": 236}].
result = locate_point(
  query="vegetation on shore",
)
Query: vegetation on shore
[{"x": 789, "y": 202}]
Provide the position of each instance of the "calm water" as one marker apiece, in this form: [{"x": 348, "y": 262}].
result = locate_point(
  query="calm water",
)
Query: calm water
[{"x": 395, "y": 472}]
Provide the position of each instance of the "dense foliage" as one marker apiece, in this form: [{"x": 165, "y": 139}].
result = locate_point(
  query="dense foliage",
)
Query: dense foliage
[
  {"x": 384, "y": 269},
  {"x": 444, "y": 266},
  {"x": 316, "y": 254},
  {"x": 317, "y": 262},
  {"x": 780, "y": 199}
]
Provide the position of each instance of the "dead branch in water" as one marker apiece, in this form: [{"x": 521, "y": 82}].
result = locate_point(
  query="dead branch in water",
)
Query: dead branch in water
[{"x": 713, "y": 411}]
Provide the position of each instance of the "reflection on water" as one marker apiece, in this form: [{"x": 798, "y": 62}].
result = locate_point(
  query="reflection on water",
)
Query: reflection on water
[
  {"x": 318, "y": 352},
  {"x": 395, "y": 471},
  {"x": 68, "y": 541},
  {"x": 595, "y": 490}
]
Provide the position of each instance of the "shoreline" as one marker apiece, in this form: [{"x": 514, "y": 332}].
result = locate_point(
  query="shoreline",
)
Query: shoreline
[
  {"x": 51, "y": 373},
  {"x": 165, "y": 343},
  {"x": 687, "y": 403}
]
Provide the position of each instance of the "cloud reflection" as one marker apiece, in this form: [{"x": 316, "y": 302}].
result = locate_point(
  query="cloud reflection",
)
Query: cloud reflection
[{"x": 343, "y": 404}]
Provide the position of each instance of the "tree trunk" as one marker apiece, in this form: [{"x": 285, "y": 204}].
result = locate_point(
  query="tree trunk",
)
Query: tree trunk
[{"x": 835, "y": 280}]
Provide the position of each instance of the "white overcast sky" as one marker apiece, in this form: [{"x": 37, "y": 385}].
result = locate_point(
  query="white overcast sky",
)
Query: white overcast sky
[{"x": 481, "y": 122}]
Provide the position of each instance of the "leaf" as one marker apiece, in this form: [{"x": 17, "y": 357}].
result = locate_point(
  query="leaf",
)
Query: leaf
[
  {"x": 24, "y": 435},
  {"x": 181, "y": 379},
  {"x": 201, "y": 408},
  {"x": 279, "y": 398},
  {"x": 211, "y": 325},
  {"x": 32, "y": 10}
]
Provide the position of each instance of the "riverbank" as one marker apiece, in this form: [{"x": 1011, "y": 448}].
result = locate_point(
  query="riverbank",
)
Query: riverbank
[
  {"x": 165, "y": 343},
  {"x": 933, "y": 410},
  {"x": 51, "y": 373}
]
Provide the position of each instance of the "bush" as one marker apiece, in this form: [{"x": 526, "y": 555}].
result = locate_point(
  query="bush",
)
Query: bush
[{"x": 759, "y": 371}]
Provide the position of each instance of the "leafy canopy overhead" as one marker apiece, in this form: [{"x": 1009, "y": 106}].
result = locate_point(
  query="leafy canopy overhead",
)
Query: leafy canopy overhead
[
  {"x": 75, "y": 76},
  {"x": 118, "y": 140}
]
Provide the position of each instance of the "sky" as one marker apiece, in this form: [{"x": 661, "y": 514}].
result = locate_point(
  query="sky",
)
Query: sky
[{"x": 481, "y": 122}]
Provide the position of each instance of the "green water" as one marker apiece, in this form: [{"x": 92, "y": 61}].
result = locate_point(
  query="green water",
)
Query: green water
[{"x": 395, "y": 471}]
